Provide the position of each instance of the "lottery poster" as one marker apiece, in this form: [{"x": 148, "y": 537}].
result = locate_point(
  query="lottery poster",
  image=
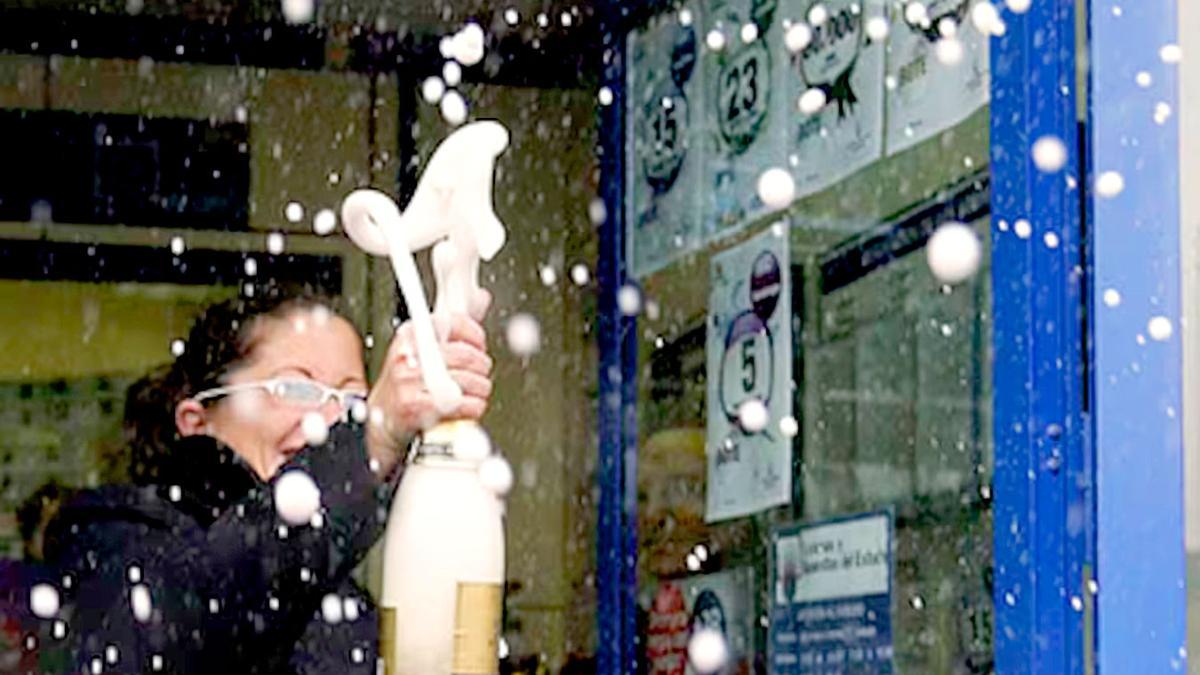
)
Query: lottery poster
[
  {"x": 743, "y": 125},
  {"x": 831, "y": 597},
  {"x": 835, "y": 92},
  {"x": 749, "y": 377},
  {"x": 721, "y": 602},
  {"x": 937, "y": 71},
  {"x": 663, "y": 136}
]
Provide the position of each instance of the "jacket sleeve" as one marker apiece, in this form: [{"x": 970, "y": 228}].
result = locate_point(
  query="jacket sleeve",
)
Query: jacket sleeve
[{"x": 235, "y": 595}]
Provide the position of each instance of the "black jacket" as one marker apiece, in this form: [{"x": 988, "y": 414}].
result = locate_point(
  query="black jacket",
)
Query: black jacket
[{"x": 233, "y": 589}]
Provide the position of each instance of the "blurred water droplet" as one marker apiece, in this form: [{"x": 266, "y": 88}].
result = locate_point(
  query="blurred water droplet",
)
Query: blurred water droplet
[
  {"x": 454, "y": 108},
  {"x": 524, "y": 335},
  {"x": 1160, "y": 328},
  {"x": 452, "y": 73},
  {"x": 753, "y": 416},
  {"x": 1110, "y": 184},
  {"x": 715, "y": 40},
  {"x": 798, "y": 37},
  {"x": 1144, "y": 79},
  {"x": 789, "y": 427},
  {"x": 580, "y": 274},
  {"x": 1170, "y": 53},
  {"x": 1076, "y": 603},
  {"x": 1023, "y": 229},
  {"x": 877, "y": 28},
  {"x": 776, "y": 188},
  {"x": 749, "y": 32},
  {"x": 949, "y": 51},
  {"x": 812, "y": 101},
  {"x": 331, "y": 609},
  {"x": 548, "y": 275},
  {"x": 629, "y": 300},
  {"x": 325, "y": 222},
  {"x": 177, "y": 245},
  {"x": 432, "y": 90},
  {"x": 511, "y": 16},
  {"x": 915, "y": 13},
  {"x": 139, "y": 602},
  {"x": 605, "y": 96},
  {"x": 298, "y": 11},
  {"x": 314, "y": 427},
  {"x": 44, "y": 601},
  {"x": 177, "y": 347},
  {"x": 917, "y": 602},
  {"x": 294, "y": 212},
  {"x": 275, "y": 243},
  {"x": 707, "y": 651},
  {"x": 693, "y": 562},
  {"x": 1019, "y": 6},
  {"x": 1051, "y": 239},
  {"x": 954, "y": 253},
  {"x": 818, "y": 14},
  {"x": 1049, "y": 154},
  {"x": 297, "y": 497}
]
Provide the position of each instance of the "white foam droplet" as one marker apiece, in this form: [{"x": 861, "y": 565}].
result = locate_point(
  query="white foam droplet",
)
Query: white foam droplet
[
  {"x": 454, "y": 108},
  {"x": 789, "y": 427},
  {"x": 580, "y": 274},
  {"x": 297, "y": 497},
  {"x": 356, "y": 655},
  {"x": 177, "y": 347},
  {"x": 156, "y": 662},
  {"x": 606, "y": 96},
  {"x": 452, "y": 73},
  {"x": 468, "y": 45},
  {"x": 1019, "y": 6},
  {"x": 111, "y": 654},
  {"x": 715, "y": 40},
  {"x": 629, "y": 300},
  {"x": 511, "y": 16},
  {"x": 275, "y": 243},
  {"x": 917, "y": 602},
  {"x": 776, "y": 188},
  {"x": 250, "y": 266},
  {"x": 524, "y": 335},
  {"x": 496, "y": 476},
  {"x": 986, "y": 18},
  {"x": 1112, "y": 297},
  {"x": 325, "y": 222},
  {"x": 818, "y": 15},
  {"x": 177, "y": 245},
  {"x": 1051, "y": 239},
  {"x": 693, "y": 562},
  {"x": 331, "y": 609},
  {"x": 947, "y": 27},
  {"x": 949, "y": 51},
  {"x": 953, "y": 253},
  {"x": 548, "y": 275},
  {"x": 753, "y": 416},
  {"x": 1023, "y": 229},
  {"x": 174, "y": 493},
  {"x": 597, "y": 212},
  {"x": 298, "y": 11},
  {"x": 139, "y": 602},
  {"x": 798, "y": 37},
  {"x": 294, "y": 212},
  {"x": 315, "y": 428},
  {"x": 43, "y": 600},
  {"x": 812, "y": 101},
  {"x": 134, "y": 574},
  {"x": 1171, "y": 53},
  {"x": 749, "y": 32},
  {"x": 1160, "y": 328},
  {"x": 915, "y": 13},
  {"x": 432, "y": 90},
  {"x": 1110, "y": 184},
  {"x": 1144, "y": 79},
  {"x": 359, "y": 411},
  {"x": 1049, "y": 154},
  {"x": 707, "y": 651},
  {"x": 1162, "y": 112},
  {"x": 877, "y": 28},
  {"x": 350, "y": 609},
  {"x": 240, "y": 114}
]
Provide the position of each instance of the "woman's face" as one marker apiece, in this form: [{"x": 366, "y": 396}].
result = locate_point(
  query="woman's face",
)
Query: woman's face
[{"x": 264, "y": 430}]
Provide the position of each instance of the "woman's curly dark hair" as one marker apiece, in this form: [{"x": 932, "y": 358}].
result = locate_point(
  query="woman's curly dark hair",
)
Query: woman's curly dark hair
[{"x": 220, "y": 339}]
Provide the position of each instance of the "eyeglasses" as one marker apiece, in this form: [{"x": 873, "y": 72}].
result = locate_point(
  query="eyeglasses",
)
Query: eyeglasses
[{"x": 298, "y": 392}]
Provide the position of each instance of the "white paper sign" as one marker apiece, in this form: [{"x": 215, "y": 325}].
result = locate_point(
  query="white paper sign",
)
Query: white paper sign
[
  {"x": 937, "y": 72},
  {"x": 749, "y": 377},
  {"x": 842, "y": 68},
  {"x": 744, "y": 126},
  {"x": 663, "y": 135}
]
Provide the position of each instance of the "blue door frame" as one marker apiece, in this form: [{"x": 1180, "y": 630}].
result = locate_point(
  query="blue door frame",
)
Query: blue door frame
[{"x": 1089, "y": 564}]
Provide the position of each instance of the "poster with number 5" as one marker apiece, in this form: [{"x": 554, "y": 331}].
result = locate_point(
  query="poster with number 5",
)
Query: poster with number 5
[{"x": 749, "y": 349}]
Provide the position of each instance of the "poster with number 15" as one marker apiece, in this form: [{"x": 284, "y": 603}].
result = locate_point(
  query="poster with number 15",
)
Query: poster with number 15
[{"x": 749, "y": 373}]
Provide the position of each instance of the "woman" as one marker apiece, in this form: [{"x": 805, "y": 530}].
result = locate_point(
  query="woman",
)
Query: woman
[{"x": 194, "y": 569}]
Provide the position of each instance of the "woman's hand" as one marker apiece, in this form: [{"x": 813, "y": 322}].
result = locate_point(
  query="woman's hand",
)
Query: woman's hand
[{"x": 401, "y": 405}]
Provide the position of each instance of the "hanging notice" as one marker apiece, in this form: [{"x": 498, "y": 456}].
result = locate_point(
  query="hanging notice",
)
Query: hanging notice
[
  {"x": 749, "y": 374},
  {"x": 743, "y": 125},
  {"x": 835, "y": 93},
  {"x": 937, "y": 72},
  {"x": 722, "y": 602},
  {"x": 831, "y": 597},
  {"x": 663, "y": 136}
]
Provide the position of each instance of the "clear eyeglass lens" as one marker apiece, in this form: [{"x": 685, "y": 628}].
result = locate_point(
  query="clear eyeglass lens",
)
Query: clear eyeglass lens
[{"x": 299, "y": 391}]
